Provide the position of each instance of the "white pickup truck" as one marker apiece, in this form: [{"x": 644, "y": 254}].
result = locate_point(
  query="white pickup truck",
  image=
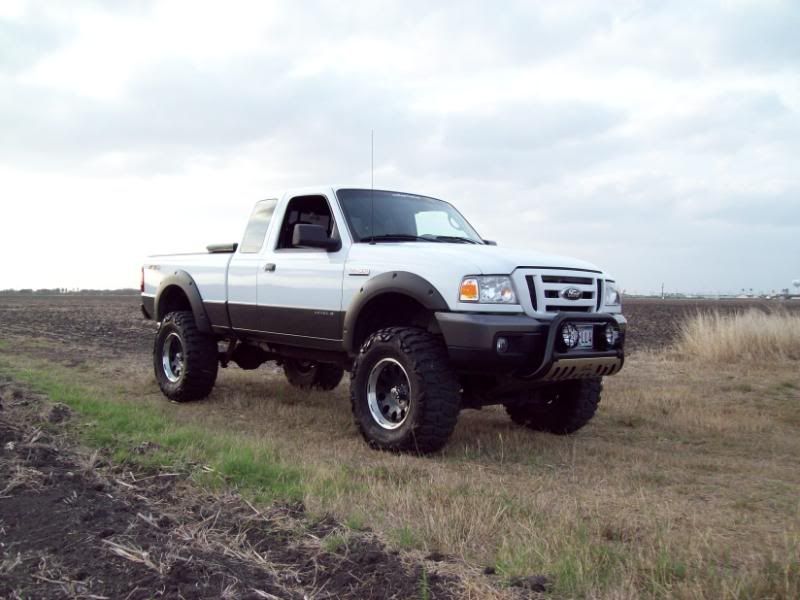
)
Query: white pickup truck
[{"x": 400, "y": 290}]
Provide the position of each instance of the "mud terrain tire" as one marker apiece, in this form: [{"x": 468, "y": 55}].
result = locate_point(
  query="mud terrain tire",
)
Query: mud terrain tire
[
  {"x": 185, "y": 360},
  {"x": 561, "y": 408},
  {"x": 308, "y": 374},
  {"x": 408, "y": 367}
]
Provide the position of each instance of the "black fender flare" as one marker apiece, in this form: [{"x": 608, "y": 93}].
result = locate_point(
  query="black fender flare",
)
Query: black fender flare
[
  {"x": 398, "y": 282},
  {"x": 183, "y": 281}
]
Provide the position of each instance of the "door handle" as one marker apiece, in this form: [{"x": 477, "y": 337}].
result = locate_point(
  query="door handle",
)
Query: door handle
[{"x": 269, "y": 267}]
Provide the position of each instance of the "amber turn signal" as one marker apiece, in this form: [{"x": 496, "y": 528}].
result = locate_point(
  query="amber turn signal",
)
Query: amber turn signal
[{"x": 469, "y": 291}]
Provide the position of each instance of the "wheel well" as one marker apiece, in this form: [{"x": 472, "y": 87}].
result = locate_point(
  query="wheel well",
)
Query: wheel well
[
  {"x": 170, "y": 300},
  {"x": 390, "y": 309}
]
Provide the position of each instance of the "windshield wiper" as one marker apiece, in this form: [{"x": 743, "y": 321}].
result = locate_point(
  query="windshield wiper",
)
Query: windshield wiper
[
  {"x": 455, "y": 238},
  {"x": 397, "y": 237}
]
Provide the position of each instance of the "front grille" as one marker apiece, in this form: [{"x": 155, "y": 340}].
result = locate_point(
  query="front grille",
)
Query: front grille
[
  {"x": 548, "y": 290},
  {"x": 555, "y": 294},
  {"x": 567, "y": 308},
  {"x": 567, "y": 279},
  {"x": 532, "y": 292},
  {"x": 599, "y": 293}
]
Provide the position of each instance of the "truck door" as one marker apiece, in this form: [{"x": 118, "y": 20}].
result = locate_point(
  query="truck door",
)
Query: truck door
[
  {"x": 300, "y": 289},
  {"x": 242, "y": 280}
]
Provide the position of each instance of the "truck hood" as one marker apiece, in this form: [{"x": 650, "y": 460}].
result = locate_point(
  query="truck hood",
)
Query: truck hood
[{"x": 468, "y": 258}]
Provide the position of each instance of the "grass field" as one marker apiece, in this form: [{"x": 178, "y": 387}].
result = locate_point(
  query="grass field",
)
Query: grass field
[{"x": 685, "y": 485}]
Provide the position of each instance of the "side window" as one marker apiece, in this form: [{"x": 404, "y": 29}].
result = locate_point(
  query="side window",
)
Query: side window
[
  {"x": 306, "y": 210},
  {"x": 257, "y": 226}
]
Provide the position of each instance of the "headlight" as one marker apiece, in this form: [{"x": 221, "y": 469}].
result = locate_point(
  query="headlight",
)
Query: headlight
[
  {"x": 490, "y": 289},
  {"x": 613, "y": 297}
]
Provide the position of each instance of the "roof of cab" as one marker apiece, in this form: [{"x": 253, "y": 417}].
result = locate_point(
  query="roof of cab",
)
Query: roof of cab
[{"x": 324, "y": 189}]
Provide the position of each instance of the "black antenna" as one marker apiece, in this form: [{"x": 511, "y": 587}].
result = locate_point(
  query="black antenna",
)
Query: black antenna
[{"x": 372, "y": 185}]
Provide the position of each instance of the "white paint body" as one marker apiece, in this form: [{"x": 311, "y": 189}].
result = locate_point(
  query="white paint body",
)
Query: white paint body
[{"x": 320, "y": 280}]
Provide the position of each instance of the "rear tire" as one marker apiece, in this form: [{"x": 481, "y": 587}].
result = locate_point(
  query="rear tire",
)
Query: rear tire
[
  {"x": 560, "y": 408},
  {"x": 404, "y": 396},
  {"x": 309, "y": 374},
  {"x": 185, "y": 360}
]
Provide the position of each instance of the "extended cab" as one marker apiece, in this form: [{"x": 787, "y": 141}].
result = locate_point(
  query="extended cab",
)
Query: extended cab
[{"x": 400, "y": 290}]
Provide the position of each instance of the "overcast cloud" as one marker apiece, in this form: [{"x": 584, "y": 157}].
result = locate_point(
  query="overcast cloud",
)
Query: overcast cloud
[{"x": 658, "y": 140}]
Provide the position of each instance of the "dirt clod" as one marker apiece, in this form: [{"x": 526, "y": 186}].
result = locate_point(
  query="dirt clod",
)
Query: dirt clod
[
  {"x": 534, "y": 583},
  {"x": 58, "y": 413},
  {"x": 146, "y": 447}
]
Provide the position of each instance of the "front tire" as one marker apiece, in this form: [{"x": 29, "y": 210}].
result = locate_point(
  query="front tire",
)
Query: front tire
[
  {"x": 185, "y": 359},
  {"x": 403, "y": 394},
  {"x": 309, "y": 374},
  {"x": 561, "y": 408}
]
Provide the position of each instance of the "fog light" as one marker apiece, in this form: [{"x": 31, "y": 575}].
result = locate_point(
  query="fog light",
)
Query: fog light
[
  {"x": 502, "y": 345},
  {"x": 569, "y": 335},
  {"x": 612, "y": 335}
]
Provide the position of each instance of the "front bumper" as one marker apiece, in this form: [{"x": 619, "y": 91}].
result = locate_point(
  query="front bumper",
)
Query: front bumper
[{"x": 533, "y": 350}]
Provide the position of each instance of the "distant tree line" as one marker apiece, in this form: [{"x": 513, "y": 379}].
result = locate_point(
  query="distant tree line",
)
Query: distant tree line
[{"x": 68, "y": 292}]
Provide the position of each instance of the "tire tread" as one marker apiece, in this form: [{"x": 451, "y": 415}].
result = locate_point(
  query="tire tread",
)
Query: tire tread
[
  {"x": 567, "y": 414},
  {"x": 439, "y": 399},
  {"x": 201, "y": 362}
]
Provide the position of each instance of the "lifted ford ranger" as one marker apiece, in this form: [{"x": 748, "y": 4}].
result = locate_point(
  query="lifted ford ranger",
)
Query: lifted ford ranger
[{"x": 400, "y": 290}]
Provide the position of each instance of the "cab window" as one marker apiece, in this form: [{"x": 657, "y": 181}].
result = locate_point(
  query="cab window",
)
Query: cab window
[
  {"x": 257, "y": 226},
  {"x": 305, "y": 210}
]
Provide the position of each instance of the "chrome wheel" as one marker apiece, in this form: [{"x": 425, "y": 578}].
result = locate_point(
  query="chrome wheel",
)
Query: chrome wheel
[
  {"x": 172, "y": 357},
  {"x": 389, "y": 393}
]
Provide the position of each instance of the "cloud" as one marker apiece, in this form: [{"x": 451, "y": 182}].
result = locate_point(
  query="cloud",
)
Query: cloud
[
  {"x": 658, "y": 140},
  {"x": 23, "y": 44},
  {"x": 762, "y": 35}
]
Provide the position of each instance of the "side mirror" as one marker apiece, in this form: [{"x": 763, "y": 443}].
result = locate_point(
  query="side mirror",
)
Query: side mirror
[
  {"x": 490, "y": 242},
  {"x": 313, "y": 236}
]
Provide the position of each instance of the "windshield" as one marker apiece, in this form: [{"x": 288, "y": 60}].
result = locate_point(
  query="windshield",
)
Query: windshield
[{"x": 403, "y": 217}]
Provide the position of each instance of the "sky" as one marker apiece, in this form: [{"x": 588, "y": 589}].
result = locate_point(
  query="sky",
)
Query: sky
[{"x": 659, "y": 140}]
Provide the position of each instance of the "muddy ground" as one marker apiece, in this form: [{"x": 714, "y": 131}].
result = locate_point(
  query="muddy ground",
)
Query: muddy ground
[
  {"x": 73, "y": 526},
  {"x": 114, "y": 323}
]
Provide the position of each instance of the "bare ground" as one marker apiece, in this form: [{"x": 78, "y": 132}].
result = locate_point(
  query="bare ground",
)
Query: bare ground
[{"x": 73, "y": 526}]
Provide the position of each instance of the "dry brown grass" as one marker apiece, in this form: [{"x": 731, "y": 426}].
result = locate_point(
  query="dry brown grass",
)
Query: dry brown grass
[
  {"x": 752, "y": 335},
  {"x": 686, "y": 484}
]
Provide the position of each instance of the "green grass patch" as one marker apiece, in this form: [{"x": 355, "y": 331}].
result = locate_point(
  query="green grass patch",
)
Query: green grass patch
[
  {"x": 405, "y": 537},
  {"x": 578, "y": 563},
  {"x": 334, "y": 542},
  {"x": 121, "y": 426},
  {"x": 356, "y": 522},
  {"x": 666, "y": 572},
  {"x": 424, "y": 585}
]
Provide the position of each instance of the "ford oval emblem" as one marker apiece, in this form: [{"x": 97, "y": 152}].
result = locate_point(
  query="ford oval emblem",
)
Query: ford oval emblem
[{"x": 571, "y": 293}]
